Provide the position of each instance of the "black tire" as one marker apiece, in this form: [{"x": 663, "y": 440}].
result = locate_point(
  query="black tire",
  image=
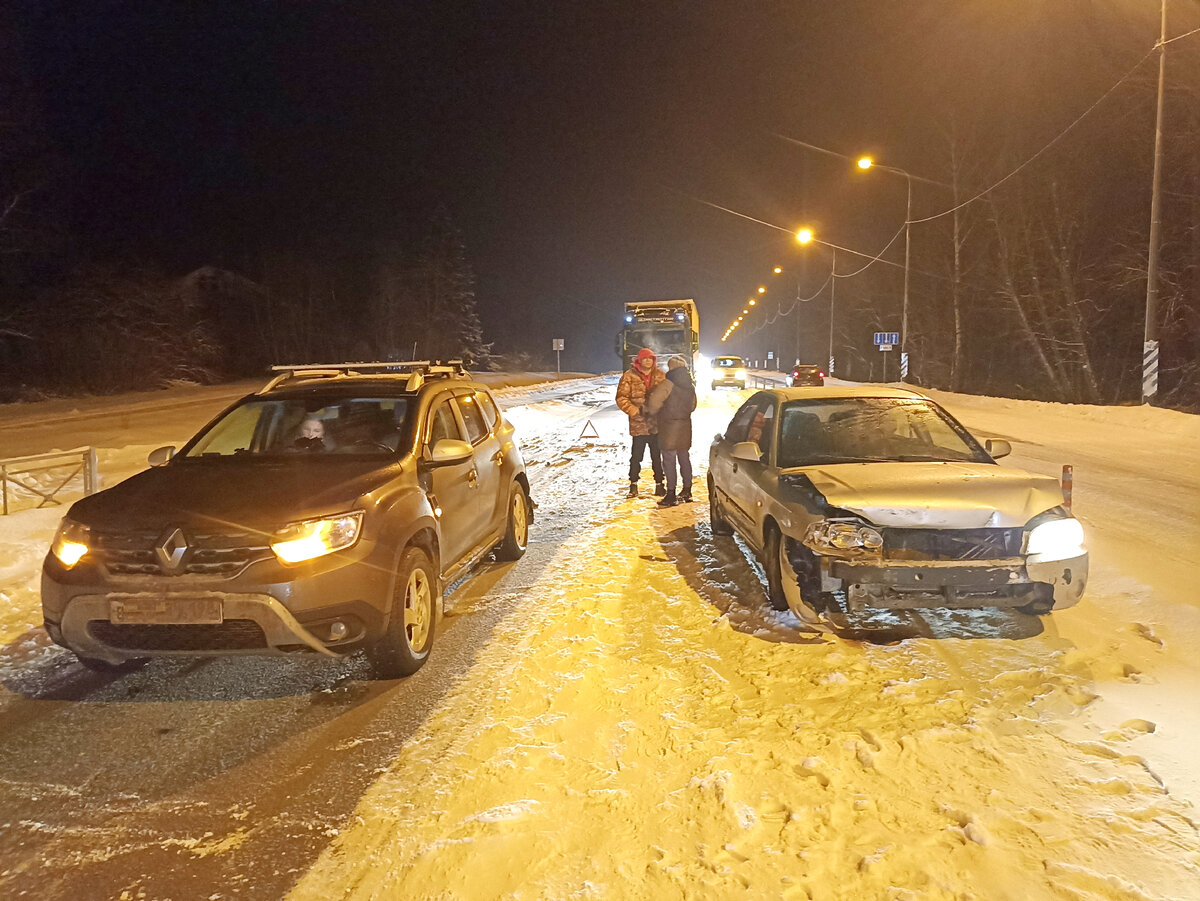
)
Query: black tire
[
  {"x": 405, "y": 645},
  {"x": 714, "y": 386},
  {"x": 1040, "y": 607},
  {"x": 812, "y": 601},
  {"x": 720, "y": 525},
  {"x": 516, "y": 529},
  {"x": 771, "y": 553}
]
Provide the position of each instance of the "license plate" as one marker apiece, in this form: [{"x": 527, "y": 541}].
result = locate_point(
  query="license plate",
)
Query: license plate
[{"x": 168, "y": 611}]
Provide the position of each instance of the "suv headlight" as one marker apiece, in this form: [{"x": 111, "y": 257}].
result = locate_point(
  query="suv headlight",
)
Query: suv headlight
[
  {"x": 70, "y": 542},
  {"x": 1056, "y": 539},
  {"x": 842, "y": 536},
  {"x": 740, "y": 375},
  {"x": 300, "y": 541}
]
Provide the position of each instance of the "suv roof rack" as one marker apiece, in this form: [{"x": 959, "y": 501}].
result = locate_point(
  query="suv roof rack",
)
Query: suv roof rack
[{"x": 415, "y": 371}]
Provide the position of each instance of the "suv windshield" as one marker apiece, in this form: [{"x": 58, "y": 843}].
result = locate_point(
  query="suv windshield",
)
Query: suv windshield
[
  {"x": 871, "y": 429},
  {"x": 729, "y": 362},
  {"x": 309, "y": 425}
]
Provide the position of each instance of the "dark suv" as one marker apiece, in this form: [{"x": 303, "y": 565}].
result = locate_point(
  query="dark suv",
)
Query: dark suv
[{"x": 323, "y": 513}]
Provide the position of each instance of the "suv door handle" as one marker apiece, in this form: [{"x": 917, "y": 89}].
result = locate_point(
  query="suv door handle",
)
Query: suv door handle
[
  {"x": 472, "y": 478},
  {"x": 498, "y": 457}
]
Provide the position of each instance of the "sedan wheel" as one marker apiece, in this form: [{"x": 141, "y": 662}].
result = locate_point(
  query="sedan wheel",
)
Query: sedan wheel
[
  {"x": 720, "y": 525},
  {"x": 783, "y": 583},
  {"x": 405, "y": 645}
]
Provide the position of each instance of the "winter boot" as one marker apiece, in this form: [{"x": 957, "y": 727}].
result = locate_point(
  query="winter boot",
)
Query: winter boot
[
  {"x": 669, "y": 500},
  {"x": 632, "y": 490},
  {"x": 659, "y": 489},
  {"x": 685, "y": 496}
]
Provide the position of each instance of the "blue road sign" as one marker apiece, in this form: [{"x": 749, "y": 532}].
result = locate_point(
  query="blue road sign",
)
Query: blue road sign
[{"x": 887, "y": 337}]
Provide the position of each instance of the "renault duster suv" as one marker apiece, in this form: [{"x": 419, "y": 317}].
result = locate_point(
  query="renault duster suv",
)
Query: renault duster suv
[{"x": 323, "y": 514}]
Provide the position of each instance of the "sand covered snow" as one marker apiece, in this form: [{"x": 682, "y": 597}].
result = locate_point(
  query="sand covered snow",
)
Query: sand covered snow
[
  {"x": 622, "y": 738},
  {"x": 644, "y": 726}
]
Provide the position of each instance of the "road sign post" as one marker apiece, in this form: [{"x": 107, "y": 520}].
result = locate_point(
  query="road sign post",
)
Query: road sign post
[{"x": 557, "y": 345}]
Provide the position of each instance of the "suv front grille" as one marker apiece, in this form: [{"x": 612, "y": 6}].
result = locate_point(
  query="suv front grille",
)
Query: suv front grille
[
  {"x": 209, "y": 554},
  {"x": 951, "y": 544},
  {"x": 231, "y": 635}
]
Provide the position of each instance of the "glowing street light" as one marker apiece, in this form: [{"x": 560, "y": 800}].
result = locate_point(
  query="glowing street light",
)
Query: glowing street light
[
  {"x": 865, "y": 162},
  {"x": 805, "y": 235},
  {"x": 752, "y": 301},
  {"x": 762, "y": 289},
  {"x": 777, "y": 270}
]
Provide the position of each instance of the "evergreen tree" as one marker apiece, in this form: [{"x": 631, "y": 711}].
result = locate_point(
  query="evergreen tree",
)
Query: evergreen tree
[{"x": 447, "y": 323}]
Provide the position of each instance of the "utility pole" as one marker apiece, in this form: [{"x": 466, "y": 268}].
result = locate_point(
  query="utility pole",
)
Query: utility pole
[
  {"x": 1150, "y": 339},
  {"x": 832, "y": 289}
]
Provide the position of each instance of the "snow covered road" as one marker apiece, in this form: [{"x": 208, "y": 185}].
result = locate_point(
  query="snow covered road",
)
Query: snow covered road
[{"x": 619, "y": 715}]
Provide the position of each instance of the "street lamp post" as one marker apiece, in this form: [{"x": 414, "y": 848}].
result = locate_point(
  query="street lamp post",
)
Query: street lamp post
[
  {"x": 805, "y": 236},
  {"x": 867, "y": 163}
]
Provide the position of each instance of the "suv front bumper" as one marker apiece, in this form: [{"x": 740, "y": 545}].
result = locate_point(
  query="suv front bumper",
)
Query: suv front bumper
[{"x": 267, "y": 609}]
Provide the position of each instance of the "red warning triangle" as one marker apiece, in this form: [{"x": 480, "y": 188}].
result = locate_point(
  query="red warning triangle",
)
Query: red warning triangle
[{"x": 589, "y": 431}]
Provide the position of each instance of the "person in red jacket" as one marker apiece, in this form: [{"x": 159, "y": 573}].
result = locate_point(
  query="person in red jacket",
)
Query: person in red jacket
[{"x": 632, "y": 390}]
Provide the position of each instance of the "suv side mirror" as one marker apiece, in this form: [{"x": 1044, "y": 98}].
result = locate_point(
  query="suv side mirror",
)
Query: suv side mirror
[
  {"x": 449, "y": 452},
  {"x": 748, "y": 451},
  {"x": 160, "y": 456},
  {"x": 997, "y": 447}
]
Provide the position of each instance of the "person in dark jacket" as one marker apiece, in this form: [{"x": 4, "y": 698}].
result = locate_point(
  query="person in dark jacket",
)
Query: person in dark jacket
[{"x": 671, "y": 404}]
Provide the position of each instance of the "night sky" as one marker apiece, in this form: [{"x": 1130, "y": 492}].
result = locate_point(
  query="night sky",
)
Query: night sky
[{"x": 571, "y": 142}]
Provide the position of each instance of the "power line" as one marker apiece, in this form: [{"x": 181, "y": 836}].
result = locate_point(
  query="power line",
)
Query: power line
[{"x": 1046, "y": 147}]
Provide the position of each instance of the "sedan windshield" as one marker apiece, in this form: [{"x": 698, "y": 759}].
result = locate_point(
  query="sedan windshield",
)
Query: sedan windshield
[
  {"x": 328, "y": 424},
  {"x": 871, "y": 430}
]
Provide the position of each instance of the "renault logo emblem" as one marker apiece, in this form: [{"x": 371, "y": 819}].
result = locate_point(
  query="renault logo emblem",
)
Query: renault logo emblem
[{"x": 171, "y": 550}]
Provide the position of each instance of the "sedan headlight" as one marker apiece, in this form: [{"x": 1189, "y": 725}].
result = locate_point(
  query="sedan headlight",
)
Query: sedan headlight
[
  {"x": 70, "y": 542},
  {"x": 842, "y": 536},
  {"x": 300, "y": 541},
  {"x": 1056, "y": 539}
]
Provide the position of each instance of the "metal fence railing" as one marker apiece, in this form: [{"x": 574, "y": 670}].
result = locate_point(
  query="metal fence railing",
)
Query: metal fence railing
[
  {"x": 41, "y": 476},
  {"x": 768, "y": 380}
]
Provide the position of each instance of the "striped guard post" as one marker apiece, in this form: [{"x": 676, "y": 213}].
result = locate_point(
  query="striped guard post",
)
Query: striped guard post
[
  {"x": 1068, "y": 486},
  {"x": 1149, "y": 369}
]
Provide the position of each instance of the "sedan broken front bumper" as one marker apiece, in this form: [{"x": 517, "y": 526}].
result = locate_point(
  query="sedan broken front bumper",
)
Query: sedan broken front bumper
[{"x": 1009, "y": 582}]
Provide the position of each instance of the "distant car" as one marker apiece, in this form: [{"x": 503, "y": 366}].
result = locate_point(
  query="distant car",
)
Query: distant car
[
  {"x": 323, "y": 513},
  {"x": 859, "y": 498},
  {"x": 729, "y": 371},
  {"x": 805, "y": 374}
]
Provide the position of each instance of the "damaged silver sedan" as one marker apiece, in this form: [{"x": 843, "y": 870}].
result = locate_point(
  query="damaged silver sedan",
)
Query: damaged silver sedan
[{"x": 868, "y": 498}]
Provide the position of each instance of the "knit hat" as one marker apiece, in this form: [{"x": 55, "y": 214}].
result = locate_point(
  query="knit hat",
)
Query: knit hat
[
  {"x": 644, "y": 353},
  {"x": 676, "y": 361}
]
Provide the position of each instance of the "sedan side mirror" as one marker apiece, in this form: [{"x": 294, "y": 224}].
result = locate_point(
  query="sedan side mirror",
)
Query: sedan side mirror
[
  {"x": 449, "y": 452},
  {"x": 748, "y": 451},
  {"x": 160, "y": 456},
  {"x": 997, "y": 447}
]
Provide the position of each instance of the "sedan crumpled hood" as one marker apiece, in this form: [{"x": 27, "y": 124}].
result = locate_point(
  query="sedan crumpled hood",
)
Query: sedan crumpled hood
[{"x": 936, "y": 495}]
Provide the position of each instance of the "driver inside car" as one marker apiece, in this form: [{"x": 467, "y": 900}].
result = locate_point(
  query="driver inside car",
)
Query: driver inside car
[{"x": 310, "y": 436}]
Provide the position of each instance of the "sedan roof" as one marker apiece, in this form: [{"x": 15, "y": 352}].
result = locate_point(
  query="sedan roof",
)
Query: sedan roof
[{"x": 837, "y": 391}]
